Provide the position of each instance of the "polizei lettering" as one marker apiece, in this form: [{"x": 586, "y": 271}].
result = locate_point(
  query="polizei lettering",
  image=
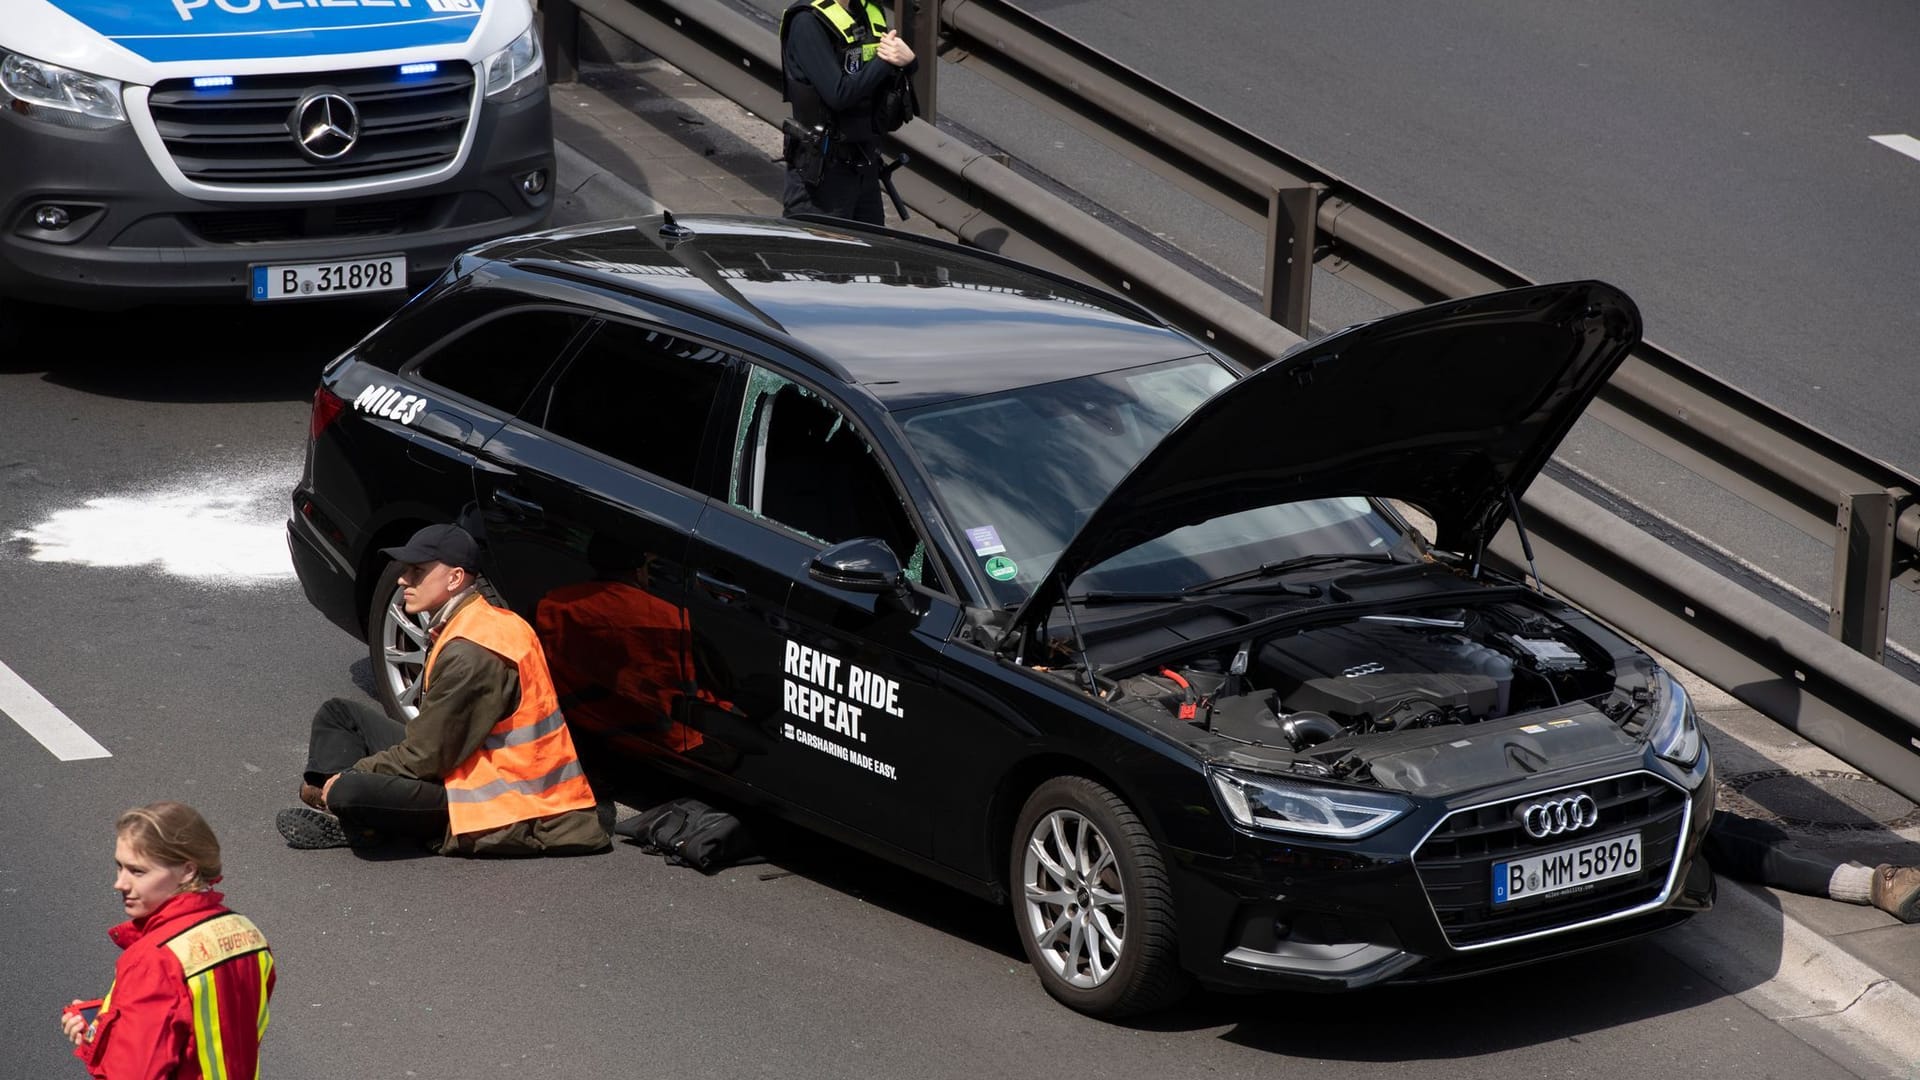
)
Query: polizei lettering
[
  {"x": 186, "y": 8},
  {"x": 385, "y": 401}
]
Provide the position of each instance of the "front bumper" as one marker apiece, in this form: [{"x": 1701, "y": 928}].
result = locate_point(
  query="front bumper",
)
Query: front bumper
[
  {"x": 134, "y": 240},
  {"x": 1280, "y": 915}
]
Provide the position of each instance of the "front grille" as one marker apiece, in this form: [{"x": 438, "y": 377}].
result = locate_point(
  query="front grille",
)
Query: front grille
[
  {"x": 242, "y": 134},
  {"x": 384, "y": 218},
  {"x": 1456, "y": 862}
]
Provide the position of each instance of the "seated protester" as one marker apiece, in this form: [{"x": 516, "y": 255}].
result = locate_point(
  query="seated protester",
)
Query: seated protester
[
  {"x": 1756, "y": 851},
  {"x": 487, "y": 767}
]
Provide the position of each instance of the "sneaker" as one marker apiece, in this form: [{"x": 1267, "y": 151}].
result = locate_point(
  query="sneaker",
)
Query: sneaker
[
  {"x": 1896, "y": 891},
  {"x": 310, "y": 794},
  {"x": 310, "y": 829}
]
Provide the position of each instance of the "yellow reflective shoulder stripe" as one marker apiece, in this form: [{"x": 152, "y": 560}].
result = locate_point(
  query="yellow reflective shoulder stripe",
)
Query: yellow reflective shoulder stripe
[
  {"x": 836, "y": 15},
  {"x": 843, "y": 22},
  {"x": 215, "y": 942},
  {"x": 206, "y": 1026},
  {"x": 266, "y": 978}
]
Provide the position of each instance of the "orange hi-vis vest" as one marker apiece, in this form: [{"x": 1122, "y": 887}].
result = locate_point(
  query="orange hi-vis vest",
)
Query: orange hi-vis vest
[{"x": 527, "y": 767}]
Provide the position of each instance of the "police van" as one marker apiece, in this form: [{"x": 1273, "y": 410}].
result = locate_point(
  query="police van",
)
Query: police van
[{"x": 263, "y": 150}]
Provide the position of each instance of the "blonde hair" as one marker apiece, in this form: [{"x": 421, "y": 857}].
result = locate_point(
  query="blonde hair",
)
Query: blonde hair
[{"x": 173, "y": 834}]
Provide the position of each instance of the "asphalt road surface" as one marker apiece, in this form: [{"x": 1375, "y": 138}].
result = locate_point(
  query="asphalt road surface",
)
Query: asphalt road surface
[{"x": 191, "y": 658}]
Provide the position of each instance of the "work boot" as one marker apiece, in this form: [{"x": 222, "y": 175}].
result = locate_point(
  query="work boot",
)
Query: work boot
[
  {"x": 1896, "y": 891},
  {"x": 310, "y": 794},
  {"x": 310, "y": 830}
]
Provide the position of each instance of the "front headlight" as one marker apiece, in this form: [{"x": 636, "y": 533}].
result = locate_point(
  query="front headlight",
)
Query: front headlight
[
  {"x": 511, "y": 70},
  {"x": 1265, "y": 802},
  {"x": 57, "y": 95},
  {"x": 1673, "y": 732}
]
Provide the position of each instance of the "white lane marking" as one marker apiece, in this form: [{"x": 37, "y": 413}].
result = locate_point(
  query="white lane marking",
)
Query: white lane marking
[
  {"x": 1905, "y": 144},
  {"x": 42, "y": 720}
]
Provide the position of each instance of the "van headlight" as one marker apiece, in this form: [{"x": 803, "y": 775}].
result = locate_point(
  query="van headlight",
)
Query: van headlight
[
  {"x": 1672, "y": 728},
  {"x": 57, "y": 95},
  {"x": 510, "y": 71},
  {"x": 1265, "y": 802}
]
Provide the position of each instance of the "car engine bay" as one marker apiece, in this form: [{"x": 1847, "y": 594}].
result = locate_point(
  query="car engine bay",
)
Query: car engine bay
[{"x": 1329, "y": 694}]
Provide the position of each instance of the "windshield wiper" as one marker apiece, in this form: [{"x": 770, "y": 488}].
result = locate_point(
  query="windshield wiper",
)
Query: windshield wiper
[{"x": 1300, "y": 562}]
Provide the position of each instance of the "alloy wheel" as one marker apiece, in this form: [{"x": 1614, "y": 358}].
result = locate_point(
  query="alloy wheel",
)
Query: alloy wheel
[
  {"x": 403, "y": 651},
  {"x": 1076, "y": 903}
]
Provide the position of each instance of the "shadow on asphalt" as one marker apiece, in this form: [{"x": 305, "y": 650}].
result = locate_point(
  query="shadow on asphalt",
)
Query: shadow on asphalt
[
  {"x": 230, "y": 353},
  {"x": 1552, "y": 1002}
]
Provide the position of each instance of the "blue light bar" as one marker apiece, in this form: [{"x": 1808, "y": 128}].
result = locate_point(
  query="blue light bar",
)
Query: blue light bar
[
  {"x": 204, "y": 82},
  {"x": 427, "y": 68}
]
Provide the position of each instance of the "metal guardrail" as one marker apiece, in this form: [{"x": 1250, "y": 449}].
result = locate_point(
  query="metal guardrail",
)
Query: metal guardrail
[
  {"x": 1821, "y": 687},
  {"x": 1865, "y": 509}
]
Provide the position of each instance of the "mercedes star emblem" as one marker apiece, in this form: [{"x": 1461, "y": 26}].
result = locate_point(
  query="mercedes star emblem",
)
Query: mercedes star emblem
[{"x": 325, "y": 124}]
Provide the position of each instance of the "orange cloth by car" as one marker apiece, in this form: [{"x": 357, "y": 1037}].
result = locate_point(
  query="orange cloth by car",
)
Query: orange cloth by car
[
  {"x": 621, "y": 651},
  {"x": 527, "y": 767}
]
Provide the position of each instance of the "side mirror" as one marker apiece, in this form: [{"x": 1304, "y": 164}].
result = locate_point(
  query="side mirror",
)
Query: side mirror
[{"x": 864, "y": 564}]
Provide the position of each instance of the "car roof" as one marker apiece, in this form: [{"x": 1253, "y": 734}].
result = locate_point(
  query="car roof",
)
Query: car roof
[{"x": 914, "y": 320}]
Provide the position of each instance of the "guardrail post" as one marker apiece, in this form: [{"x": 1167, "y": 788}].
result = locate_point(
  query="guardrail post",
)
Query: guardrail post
[
  {"x": 1287, "y": 290},
  {"x": 919, "y": 21},
  {"x": 1863, "y": 572},
  {"x": 560, "y": 39}
]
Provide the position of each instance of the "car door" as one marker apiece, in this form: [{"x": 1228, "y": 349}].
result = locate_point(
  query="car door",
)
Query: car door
[
  {"x": 588, "y": 497},
  {"x": 825, "y": 698}
]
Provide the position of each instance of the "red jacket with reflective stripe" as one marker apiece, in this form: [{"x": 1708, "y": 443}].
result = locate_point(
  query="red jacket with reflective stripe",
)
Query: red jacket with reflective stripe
[
  {"x": 159, "y": 1023},
  {"x": 526, "y": 768}
]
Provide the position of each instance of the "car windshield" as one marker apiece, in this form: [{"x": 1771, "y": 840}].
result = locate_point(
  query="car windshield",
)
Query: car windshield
[{"x": 1018, "y": 472}]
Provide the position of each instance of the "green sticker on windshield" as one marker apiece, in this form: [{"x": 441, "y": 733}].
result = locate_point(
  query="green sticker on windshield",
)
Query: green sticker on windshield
[{"x": 1001, "y": 568}]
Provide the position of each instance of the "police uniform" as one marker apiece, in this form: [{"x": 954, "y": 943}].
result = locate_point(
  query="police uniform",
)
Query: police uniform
[{"x": 836, "y": 81}]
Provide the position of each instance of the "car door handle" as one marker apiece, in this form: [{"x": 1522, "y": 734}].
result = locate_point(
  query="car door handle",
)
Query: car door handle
[
  {"x": 724, "y": 591},
  {"x": 518, "y": 505}
]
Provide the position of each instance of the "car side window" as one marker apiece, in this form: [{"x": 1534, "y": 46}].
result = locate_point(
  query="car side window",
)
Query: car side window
[
  {"x": 799, "y": 463},
  {"x": 637, "y": 395},
  {"x": 498, "y": 361}
]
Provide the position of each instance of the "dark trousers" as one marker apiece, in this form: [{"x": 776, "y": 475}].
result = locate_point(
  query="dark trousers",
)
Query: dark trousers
[
  {"x": 846, "y": 190},
  {"x": 345, "y": 731},
  {"x": 1748, "y": 849}
]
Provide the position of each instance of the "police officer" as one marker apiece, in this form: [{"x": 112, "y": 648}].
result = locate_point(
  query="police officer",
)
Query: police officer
[{"x": 846, "y": 75}]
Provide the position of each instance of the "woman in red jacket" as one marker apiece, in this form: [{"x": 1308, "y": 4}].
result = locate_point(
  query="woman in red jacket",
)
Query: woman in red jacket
[{"x": 189, "y": 995}]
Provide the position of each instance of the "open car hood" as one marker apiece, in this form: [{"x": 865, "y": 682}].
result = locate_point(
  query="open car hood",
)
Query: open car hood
[{"x": 1447, "y": 407}]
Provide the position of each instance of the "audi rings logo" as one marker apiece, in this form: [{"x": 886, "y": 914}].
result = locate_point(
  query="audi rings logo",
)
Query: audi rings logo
[
  {"x": 1555, "y": 817},
  {"x": 325, "y": 124}
]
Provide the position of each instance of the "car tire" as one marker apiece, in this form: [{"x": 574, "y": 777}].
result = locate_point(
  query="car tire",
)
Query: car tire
[
  {"x": 396, "y": 647},
  {"x": 1082, "y": 862}
]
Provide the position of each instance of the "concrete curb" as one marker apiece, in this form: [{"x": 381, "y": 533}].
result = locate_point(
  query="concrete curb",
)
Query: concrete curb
[
  {"x": 1823, "y": 995},
  {"x": 599, "y": 194}
]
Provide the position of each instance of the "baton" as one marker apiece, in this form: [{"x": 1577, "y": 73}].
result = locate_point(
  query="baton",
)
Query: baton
[{"x": 886, "y": 183}]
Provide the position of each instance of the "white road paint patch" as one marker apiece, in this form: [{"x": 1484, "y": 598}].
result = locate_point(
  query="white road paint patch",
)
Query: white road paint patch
[
  {"x": 223, "y": 530},
  {"x": 41, "y": 719},
  {"x": 1905, "y": 144}
]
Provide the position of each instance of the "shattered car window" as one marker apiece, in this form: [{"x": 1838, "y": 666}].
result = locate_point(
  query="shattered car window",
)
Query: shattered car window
[{"x": 799, "y": 463}]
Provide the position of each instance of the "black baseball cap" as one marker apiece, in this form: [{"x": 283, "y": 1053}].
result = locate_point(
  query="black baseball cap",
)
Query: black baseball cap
[{"x": 448, "y": 544}]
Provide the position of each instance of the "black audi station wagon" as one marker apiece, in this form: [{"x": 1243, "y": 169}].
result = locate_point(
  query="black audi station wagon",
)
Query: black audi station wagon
[{"x": 1000, "y": 577}]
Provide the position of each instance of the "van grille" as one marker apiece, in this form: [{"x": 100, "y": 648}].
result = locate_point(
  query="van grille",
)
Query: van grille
[{"x": 242, "y": 134}]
